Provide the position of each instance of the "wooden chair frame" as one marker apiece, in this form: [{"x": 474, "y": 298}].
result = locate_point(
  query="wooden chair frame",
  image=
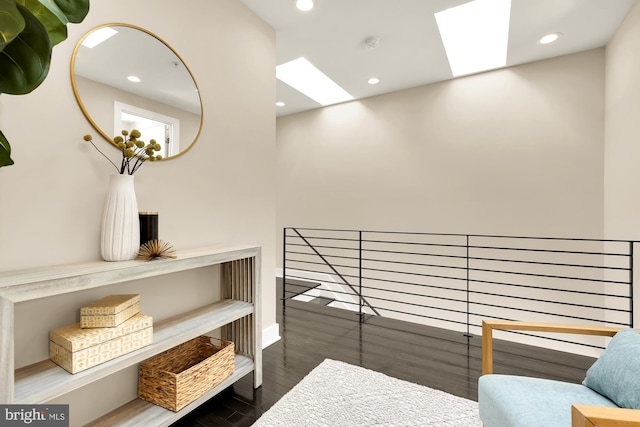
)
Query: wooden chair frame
[{"x": 581, "y": 415}]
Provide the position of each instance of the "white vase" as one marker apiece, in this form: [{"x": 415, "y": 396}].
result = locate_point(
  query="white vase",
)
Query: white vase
[{"x": 120, "y": 239}]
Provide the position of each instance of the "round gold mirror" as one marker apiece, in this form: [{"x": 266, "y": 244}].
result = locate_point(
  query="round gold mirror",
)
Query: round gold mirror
[{"x": 125, "y": 77}]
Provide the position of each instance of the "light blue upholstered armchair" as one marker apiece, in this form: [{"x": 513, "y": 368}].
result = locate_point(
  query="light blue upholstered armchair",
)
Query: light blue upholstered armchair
[{"x": 608, "y": 397}]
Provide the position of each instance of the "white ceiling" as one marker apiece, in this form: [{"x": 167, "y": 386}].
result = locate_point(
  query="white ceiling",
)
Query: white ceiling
[
  {"x": 410, "y": 52},
  {"x": 165, "y": 78}
]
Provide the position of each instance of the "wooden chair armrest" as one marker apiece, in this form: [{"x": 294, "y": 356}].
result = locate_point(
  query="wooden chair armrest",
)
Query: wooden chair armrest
[
  {"x": 489, "y": 325},
  {"x": 600, "y": 416}
]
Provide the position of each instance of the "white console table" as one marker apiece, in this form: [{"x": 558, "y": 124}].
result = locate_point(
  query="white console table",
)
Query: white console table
[{"x": 238, "y": 314}]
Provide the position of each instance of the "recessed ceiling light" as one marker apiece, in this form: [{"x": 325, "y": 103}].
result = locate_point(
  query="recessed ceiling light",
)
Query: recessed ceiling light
[
  {"x": 134, "y": 79},
  {"x": 98, "y": 36},
  {"x": 280, "y": 104},
  {"x": 549, "y": 38},
  {"x": 373, "y": 81},
  {"x": 304, "y": 77},
  {"x": 304, "y": 5},
  {"x": 475, "y": 35}
]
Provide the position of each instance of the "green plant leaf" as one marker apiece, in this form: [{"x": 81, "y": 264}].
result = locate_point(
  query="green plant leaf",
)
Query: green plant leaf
[
  {"x": 28, "y": 31},
  {"x": 50, "y": 16},
  {"x": 56, "y": 14},
  {"x": 11, "y": 22},
  {"x": 5, "y": 151},
  {"x": 24, "y": 63},
  {"x": 74, "y": 10}
]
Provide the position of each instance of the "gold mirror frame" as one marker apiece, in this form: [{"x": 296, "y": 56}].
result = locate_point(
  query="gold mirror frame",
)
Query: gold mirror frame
[{"x": 86, "y": 113}]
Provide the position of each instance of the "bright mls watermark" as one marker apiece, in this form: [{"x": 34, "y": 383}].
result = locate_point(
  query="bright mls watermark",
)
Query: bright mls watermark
[{"x": 34, "y": 415}]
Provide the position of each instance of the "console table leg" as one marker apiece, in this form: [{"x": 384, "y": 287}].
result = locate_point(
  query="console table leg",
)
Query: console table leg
[{"x": 6, "y": 351}]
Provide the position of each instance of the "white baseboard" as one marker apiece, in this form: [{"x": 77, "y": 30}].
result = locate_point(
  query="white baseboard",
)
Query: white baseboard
[{"x": 270, "y": 335}]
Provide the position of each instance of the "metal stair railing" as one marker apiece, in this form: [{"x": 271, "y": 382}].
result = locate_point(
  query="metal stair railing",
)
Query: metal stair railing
[{"x": 456, "y": 280}]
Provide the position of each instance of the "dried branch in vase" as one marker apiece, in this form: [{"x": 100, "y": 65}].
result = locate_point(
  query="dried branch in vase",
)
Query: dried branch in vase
[{"x": 134, "y": 151}]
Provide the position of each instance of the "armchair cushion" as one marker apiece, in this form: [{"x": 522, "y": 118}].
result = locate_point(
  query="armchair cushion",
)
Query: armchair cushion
[
  {"x": 514, "y": 401},
  {"x": 616, "y": 373}
]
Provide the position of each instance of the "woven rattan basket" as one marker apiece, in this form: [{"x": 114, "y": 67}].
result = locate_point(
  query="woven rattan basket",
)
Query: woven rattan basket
[{"x": 178, "y": 376}]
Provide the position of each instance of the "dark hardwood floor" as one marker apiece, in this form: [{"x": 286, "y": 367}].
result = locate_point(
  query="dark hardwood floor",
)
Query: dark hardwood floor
[{"x": 433, "y": 357}]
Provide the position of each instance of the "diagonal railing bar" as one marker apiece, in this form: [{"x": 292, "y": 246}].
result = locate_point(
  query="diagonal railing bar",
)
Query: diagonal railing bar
[{"x": 336, "y": 272}]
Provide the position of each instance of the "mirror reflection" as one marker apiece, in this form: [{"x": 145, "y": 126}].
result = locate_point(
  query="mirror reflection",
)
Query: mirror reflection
[{"x": 124, "y": 77}]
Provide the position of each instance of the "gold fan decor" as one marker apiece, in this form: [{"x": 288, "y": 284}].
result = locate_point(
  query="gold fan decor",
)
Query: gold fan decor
[{"x": 154, "y": 249}]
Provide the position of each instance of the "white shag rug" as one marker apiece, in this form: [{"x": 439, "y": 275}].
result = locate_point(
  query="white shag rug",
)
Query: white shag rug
[{"x": 337, "y": 394}]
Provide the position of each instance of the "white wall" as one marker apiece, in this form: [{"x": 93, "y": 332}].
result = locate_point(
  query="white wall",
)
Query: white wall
[
  {"x": 221, "y": 191},
  {"x": 622, "y": 147},
  {"x": 621, "y": 150},
  {"x": 516, "y": 151}
]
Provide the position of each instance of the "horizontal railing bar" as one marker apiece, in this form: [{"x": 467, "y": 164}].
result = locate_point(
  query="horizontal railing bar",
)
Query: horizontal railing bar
[
  {"x": 386, "y": 299},
  {"x": 488, "y": 259},
  {"x": 463, "y": 290},
  {"x": 412, "y": 294},
  {"x": 415, "y": 305},
  {"x": 342, "y": 248},
  {"x": 609, "y": 254},
  {"x": 501, "y": 248},
  {"x": 550, "y": 263},
  {"x": 301, "y": 284},
  {"x": 548, "y": 276},
  {"x": 320, "y": 263},
  {"x": 470, "y": 257},
  {"x": 313, "y": 280},
  {"x": 409, "y": 313},
  {"x": 490, "y": 282},
  {"x": 554, "y": 251},
  {"x": 337, "y": 239},
  {"x": 498, "y": 271},
  {"x": 375, "y": 231},
  {"x": 425, "y": 316},
  {"x": 416, "y": 284},
  {"x": 444, "y": 245},
  {"x": 314, "y": 255},
  {"x": 414, "y": 253},
  {"x": 488, "y": 294},
  {"x": 548, "y": 301},
  {"x": 471, "y": 235},
  {"x": 448, "y": 245},
  {"x": 435, "y": 276},
  {"x": 414, "y": 263},
  {"x": 557, "y": 339},
  {"x": 566, "y": 316},
  {"x": 337, "y": 292},
  {"x": 460, "y": 279},
  {"x": 445, "y": 298},
  {"x": 575, "y": 239}
]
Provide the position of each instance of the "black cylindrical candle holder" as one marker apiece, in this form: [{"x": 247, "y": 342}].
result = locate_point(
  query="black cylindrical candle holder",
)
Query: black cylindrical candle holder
[{"x": 148, "y": 226}]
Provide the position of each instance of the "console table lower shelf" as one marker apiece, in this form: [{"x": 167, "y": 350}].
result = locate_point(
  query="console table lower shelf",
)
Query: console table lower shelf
[{"x": 141, "y": 413}]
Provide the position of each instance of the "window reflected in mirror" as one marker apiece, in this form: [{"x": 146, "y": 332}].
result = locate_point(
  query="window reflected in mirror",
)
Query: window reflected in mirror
[{"x": 165, "y": 130}]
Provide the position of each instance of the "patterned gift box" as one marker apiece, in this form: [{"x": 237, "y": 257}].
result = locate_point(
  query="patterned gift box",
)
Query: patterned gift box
[
  {"x": 76, "y": 349},
  {"x": 109, "y": 311}
]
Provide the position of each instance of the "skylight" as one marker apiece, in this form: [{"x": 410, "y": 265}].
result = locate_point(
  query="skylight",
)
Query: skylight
[
  {"x": 475, "y": 35},
  {"x": 304, "y": 77},
  {"x": 97, "y": 37}
]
